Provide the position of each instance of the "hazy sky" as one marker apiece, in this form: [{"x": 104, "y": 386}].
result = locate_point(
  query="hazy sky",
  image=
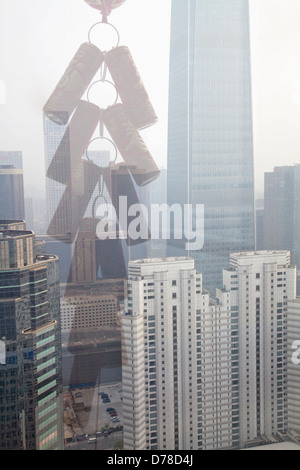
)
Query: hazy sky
[{"x": 38, "y": 38}]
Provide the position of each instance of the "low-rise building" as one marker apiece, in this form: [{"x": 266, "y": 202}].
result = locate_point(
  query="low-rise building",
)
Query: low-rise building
[{"x": 89, "y": 311}]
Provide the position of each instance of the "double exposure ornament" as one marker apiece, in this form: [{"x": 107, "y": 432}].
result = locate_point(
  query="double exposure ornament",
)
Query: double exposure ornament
[
  {"x": 131, "y": 112},
  {"x": 130, "y": 87},
  {"x": 105, "y": 6},
  {"x": 73, "y": 83}
]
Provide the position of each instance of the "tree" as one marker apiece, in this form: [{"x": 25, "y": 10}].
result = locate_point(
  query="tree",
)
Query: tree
[{"x": 119, "y": 445}]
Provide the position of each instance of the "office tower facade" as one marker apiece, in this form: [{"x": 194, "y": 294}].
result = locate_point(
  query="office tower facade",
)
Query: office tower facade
[
  {"x": 11, "y": 186},
  {"x": 56, "y": 182},
  {"x": 282, "y": 206},
  {"x": 29, "y": 213},
  {"x": 75, "y": 190},
  {"x": 177, "y": 361},
  {"x": 84, "y": 266},
  {"x": 261, "y": 284},
  {"x": 210, "y": 149},
  {"x": 260, "y": 244},
  {"x": 12, "y": 225},
  {"x": 31, "y": 374},
  {"x": 93, "y": 311},
  {"x": 155, "y": 194},
  {"x": 53, "y": 133},
  {"x": 293, "y": 372}
]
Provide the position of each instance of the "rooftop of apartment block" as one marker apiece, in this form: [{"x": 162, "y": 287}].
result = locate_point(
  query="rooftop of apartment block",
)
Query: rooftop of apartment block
[
  {"x": 162, "y": 260},
  {"x": 4, "y": 234},
  {"x": 261, "y": 253},
  {"x": 11, "y": 222}
]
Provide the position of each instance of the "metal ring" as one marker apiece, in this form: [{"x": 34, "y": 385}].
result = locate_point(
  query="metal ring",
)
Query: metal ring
[
  {"x": 105, "y": 23},
  {"x": 100, "y": 196},
  {"x": 102, "y": 138},
  {"x": 103, "y": 71},
  {"x": 103, "y": 81}
]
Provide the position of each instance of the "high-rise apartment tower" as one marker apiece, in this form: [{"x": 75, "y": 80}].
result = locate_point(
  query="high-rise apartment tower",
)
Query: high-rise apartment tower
[
  {"x": 261, "y": 283},
  {"x": 179, "y": 373}
]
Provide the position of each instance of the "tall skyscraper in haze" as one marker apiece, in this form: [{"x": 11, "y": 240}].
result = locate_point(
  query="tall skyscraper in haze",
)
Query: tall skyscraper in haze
[
  {"x": 281, "y": 212},
  {"x": 55, "y": 189},
  {"x": 210, "y": 153},
  {"x": 53, "y": 133},
  {"x": 12, "y": 204},
  {"x": 29, "y": 212}
]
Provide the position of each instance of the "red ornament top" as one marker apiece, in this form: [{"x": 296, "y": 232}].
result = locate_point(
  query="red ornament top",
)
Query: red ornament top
[{"x": 105, "y": 6}]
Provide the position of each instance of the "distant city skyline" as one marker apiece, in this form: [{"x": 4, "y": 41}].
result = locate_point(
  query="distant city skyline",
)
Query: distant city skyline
[
  {"x": 156, "y": 308},
  {"x": 43, "y": 56}
]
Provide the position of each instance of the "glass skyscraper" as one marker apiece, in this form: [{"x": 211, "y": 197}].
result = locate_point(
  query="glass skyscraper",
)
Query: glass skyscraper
[
  {"x": 210, "y": 153},
  {"x": 31, "y": 402},
  {"x": 281, "y": 209},
  {"x": 12, "y": 204}
]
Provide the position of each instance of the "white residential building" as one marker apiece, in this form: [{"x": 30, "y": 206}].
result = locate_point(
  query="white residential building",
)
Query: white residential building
[
  {"x": 261, "y": 284},
  {"x": 178, "y": 360},
  {"x": 293, "y": 348}
]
